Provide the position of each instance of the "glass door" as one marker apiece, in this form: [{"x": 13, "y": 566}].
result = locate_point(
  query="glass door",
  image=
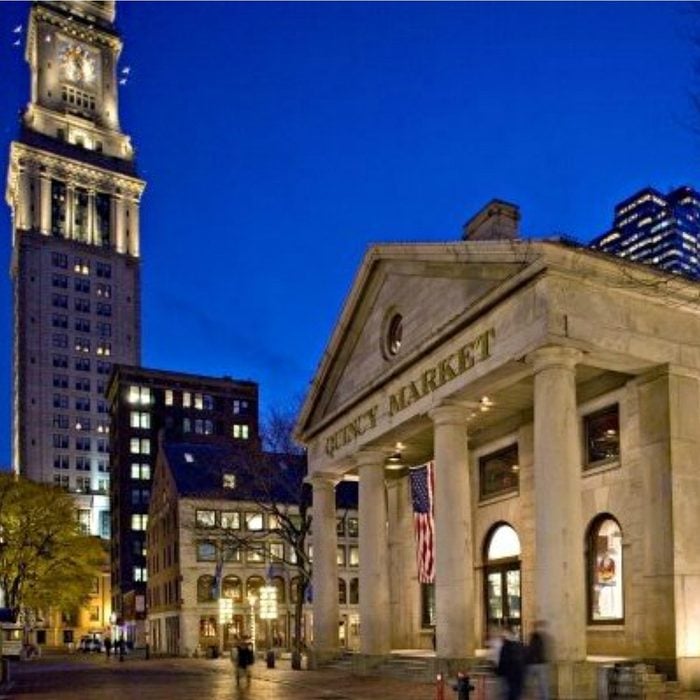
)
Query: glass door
[{"x": 503, "y": 596}]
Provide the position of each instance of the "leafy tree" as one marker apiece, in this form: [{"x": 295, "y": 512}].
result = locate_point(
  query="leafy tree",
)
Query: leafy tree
[{"x": 45, "y": 559}]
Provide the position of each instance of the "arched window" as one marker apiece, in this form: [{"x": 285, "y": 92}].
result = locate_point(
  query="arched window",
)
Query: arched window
[
  {"x": 604, "y": 564},
  {"x": 253, "y": 586},
  {"x": 354, "y": 591},
  {"x": 502, "y": 577},
  {"x": 342, "y": 592},
  {"x": 231, "y": 587},
  {"x": 278, "y": 583},
  {"x": 205, "y": 589}
]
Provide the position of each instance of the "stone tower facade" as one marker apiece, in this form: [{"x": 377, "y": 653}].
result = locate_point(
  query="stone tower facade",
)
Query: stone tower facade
[{"x": 75, "y": 195}]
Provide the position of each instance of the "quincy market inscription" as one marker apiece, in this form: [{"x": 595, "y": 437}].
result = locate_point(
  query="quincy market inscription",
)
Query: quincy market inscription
[{"x": 443, "y": 372}]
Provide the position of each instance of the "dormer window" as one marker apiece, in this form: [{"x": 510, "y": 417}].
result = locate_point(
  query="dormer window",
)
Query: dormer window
[{"x": 229, "y": 481}]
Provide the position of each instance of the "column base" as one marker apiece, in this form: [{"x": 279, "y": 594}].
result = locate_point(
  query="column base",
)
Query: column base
[
  {"x": 363, "y": 664},
  {"x": 688, "y": 670},
  {"x": 574, "y": 680},
  {"x": 316, "y": 658}
]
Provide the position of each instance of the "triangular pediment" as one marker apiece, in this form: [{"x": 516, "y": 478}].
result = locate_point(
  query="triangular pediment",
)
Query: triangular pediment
[{"x": 431, "y": 287}]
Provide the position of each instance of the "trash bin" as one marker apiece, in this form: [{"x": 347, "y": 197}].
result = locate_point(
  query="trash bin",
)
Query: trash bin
[{"x": 270, "y": 658}]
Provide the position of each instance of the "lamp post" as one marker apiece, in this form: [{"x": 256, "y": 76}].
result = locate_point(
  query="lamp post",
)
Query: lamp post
[{"x": 268, "y": 611}]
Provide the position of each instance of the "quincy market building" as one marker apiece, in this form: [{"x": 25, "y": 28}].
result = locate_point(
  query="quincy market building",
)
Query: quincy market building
[{"x": 556, "y": 390}]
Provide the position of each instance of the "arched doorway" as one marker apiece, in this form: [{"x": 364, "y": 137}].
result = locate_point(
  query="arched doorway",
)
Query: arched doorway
[{"x": 502, "y": 578}]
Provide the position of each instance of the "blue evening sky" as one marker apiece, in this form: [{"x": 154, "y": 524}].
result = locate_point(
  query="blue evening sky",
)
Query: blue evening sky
[{"x": 280, "y": 140}]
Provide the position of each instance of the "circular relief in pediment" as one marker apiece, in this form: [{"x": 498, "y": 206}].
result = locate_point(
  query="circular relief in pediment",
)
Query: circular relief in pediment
[{"x": 392, "y": 335}]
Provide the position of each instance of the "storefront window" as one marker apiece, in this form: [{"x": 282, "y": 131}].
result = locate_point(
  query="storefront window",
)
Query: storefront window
[
  {"x": 602, "y": 432},
  {"x": 498, "y": 473},
  {"x": 605, "y": 571}
]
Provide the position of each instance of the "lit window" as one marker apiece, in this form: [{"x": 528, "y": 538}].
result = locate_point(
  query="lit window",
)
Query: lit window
[
  {"x": 230, "y": 520},
  {"x": 139, "y": 395},
  {"x": 168, "y": 397},
  {"x": 229, "y": 481},
  {"x": 255, "y": 554},
  {"x": 254, "y": 521},
  {"x": 602, "y": 435},
  {"x": 205, "y": 518},
  {"x": 354, "y": 557},
  {"x": 340, "y": 556},
  {"x": 140, "y": 419},
  {"x": 139, "y": 521},
  {"x": 277, "y": 551},
  {"x": 140, "y": 471},
  {"x": 198, "y": 402},
  {"x": 499, "y": 472},
  {"x": 240, "y": 431},
  {"x": 140, "y": 574},
  {"x": 186, "y": 399},
  {"x": 140, "y": 446},
  {"x": 605, "y": 580}
]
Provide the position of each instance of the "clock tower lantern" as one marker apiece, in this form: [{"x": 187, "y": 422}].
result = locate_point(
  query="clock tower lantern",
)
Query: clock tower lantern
[{"x": 74, "y": 193}]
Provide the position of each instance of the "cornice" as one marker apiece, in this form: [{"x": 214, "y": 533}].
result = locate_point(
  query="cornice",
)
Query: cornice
[
  {"x": 78, "y": 28},
  {"x": 49, "y": 163}
]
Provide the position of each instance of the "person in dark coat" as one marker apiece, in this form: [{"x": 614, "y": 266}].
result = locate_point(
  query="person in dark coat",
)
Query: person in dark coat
[
  {"x": 244, "y": 660},
  {"x": 108, "y": 646},
  {"x": 538, "y": 658},
  {"x": 511, "y": 666}
]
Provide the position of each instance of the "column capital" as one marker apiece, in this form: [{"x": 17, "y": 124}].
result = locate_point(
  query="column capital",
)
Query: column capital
[
  {"x": 552, "y": 356},
  {"x": 369, "y": 458},
  {"x": 450, "y": 413},
  {"x": 323, "y": 480}
]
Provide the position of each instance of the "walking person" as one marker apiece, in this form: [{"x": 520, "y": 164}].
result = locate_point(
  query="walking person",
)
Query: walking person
[
  {"x": 243, "y": 658},
  {"x": 538, "y": 659},
  {"x": 511, "y": 665},
  {"x": 108, "y": 646}
]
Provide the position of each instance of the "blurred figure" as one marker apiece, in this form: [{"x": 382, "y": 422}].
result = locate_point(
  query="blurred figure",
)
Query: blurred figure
[
  {"x": 511, "y": 665},
  {"x": 538, "y": 650},
  {"x": 108, "y": 646},
  {"x": 243, "y": 658}
]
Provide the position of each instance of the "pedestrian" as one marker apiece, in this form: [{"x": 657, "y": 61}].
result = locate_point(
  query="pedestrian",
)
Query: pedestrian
[
  {"x": 108, "y": 646},
  {"x": 538, "y": 650},
  {"x": 242, "y": 658},
  {"x": 511, "y": 665}
]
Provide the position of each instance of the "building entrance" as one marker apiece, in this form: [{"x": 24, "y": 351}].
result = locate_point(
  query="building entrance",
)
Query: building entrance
[{"x": 502, "y": 579}]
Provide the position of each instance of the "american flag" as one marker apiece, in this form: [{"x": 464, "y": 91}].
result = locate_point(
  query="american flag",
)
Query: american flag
[{"x": 422, "y": 483}]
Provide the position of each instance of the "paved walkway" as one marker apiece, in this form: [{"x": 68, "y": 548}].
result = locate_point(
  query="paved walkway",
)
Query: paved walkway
[{"x": 80, "y": 677}]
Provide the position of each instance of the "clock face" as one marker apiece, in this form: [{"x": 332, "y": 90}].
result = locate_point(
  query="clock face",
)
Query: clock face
[{"x": 78, "y": 64}]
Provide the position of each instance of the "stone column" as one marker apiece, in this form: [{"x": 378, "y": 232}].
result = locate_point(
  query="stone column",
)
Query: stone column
[
  {"x": 375, "y": 623},
  {"x": 403, "y": 580},
  {"x": 91, "y": 218},
  {"x": 134, "y": 242},
  {"x": 560, "y": 595},
  {"x": 119, "y": 235},
  {"x": 70, "y": 204},
  {"x": 23, "y": 213},
  {"x": 45, "y": 204},
  {"x": 454, "y": 570},
  {"x": 325, "y": 566}
]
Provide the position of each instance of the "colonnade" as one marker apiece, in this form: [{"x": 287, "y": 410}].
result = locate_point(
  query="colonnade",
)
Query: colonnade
[
  {"x": 34, "y": 211},
  {"x": 559, "y": 573}
]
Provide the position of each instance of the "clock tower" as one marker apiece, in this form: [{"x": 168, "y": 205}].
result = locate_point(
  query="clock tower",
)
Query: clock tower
[{"x": 75, "y": 196}]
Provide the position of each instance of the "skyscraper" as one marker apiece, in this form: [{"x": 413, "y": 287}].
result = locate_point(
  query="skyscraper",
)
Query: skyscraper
[
  {"x": 74, "y": 193},
  {"x": 660, "y": 230}
]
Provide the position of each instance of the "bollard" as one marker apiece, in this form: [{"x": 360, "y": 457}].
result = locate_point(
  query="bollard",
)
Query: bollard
[
  {"x": 270, "y": 658},
  {"x": 439, "y": 687}
]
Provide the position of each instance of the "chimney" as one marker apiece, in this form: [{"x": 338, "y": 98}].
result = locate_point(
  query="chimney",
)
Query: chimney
[{"x": 497, "y": 221}]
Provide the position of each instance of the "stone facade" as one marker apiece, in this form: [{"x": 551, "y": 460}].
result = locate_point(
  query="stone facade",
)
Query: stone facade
[{"x": 520, "y": 343}]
